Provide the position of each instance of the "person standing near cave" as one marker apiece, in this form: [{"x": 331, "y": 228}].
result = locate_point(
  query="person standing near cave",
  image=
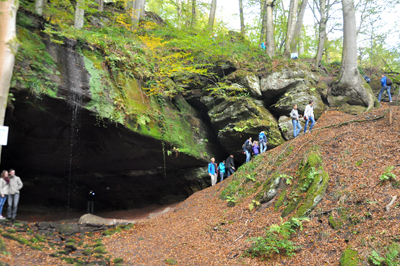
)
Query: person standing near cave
[
  {"x": 309, "y": 116},
  {"x": 248, "y": 149},
  {"x": 230, "y": 165},
  {"x": 212, "y": 172},
  {"x": 90, "y": 202},
  {"x": 13, "y": 195},
  {"x": 221, "y": 169},
  {"x": 4, "y": 185}
]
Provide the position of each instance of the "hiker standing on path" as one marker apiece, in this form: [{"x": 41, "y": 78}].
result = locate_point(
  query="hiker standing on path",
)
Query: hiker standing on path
[
  {"x": 90, "y": 202},
  {"x": 221, "y": 169},
  {"x": 386, "y": 83},
  {"x": 262, "y": 138},
  {"x": 256, "y": 148},
  {"x": 212, "y": 172},
  {"x": 309, "y": 116},
  {"x": 4, "y": 184},
  {"x": 248, "y": 148},
  {"x": 294, "y": 114},
  {"x": 230, "y": 165},
  {"x": 13, "y": 195}
]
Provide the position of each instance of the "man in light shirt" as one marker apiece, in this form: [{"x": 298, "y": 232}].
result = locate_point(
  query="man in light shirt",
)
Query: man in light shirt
[{"x": 309, "y": 116}]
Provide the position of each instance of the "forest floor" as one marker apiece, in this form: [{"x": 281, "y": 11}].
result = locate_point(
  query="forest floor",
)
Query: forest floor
[{"x": 203, "y": 230}]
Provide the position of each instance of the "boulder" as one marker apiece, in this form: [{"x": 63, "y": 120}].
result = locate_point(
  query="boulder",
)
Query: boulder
[
  {"x": 286, "y": 126},
  {"x": 96, "y": 22},
  {"x": 279, "y": 82},
  {"x": 90, "y": 219},
  {"x": 246, "y": 80},
  {"x": 68, "y": 229},
  {"x": 237, "y": 119},
  {"x": 301, "y": 94}
]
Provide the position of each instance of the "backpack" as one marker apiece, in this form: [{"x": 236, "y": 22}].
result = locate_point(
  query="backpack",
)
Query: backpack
[
  {"x": 261, "y": 137},
  {"x": 389, "y": 81},
  {"x": 367, "y": 79}
]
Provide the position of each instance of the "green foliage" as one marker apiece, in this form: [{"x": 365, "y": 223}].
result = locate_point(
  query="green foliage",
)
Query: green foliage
[
  {"x": 118, "y": 260},
  {"x": 391, "y": 258},
  {"x": 388, "y": 175},
  {"x": 289, "y": 179},
  {"x": 254, "y": 204},
  {"x": 308, "y": 179},
  {"x": 276, "y": 240}
]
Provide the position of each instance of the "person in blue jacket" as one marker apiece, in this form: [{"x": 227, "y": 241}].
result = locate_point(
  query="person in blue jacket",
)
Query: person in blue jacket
[
  {"x": 212, "y": 172},
  {"x": 384, "y": 87},
  {"x": 221, "y": 169}
]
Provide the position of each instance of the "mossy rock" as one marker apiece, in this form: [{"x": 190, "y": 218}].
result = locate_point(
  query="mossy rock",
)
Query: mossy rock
[
  {"x": 281, "y": 200},
  {"x": 3, "y": 247},
  {"x": 334, "y": 222},
  {"x": 308, "y": 189},
  {"x": 349, "y": 257},
  {"x": 352, "y": 109}
]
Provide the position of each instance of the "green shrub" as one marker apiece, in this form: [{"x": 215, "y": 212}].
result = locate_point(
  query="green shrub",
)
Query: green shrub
[
  {"x": 276, "y": 240},
  {"x": 388, "y": 175}
]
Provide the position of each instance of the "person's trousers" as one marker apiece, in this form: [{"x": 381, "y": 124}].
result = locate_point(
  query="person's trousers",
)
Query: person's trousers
[
  {"x": 312, "y": 123},
  {"x": 90, "y": 206},
  {"x": 2, "y": 201},
  {"x": 230, "y": 172},
  {"x": 248, "y": 156},
  {"x": 13, "y": 200},
  {"x": 296, "y": 127},
  {"x": 221, "y": 174},
  {"x": 387, "y": 88},
  {"x": 213, "y": 179},
  {"x": 263, "y": 147}
]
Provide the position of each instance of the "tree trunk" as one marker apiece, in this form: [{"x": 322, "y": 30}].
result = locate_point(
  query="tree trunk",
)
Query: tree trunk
[
  {"x": 242, "y": 29},
  {"x": 179, "y": 8},
  {"x": 269, "y": 39},
  {"x": 213, "y": 9},
  {"x": 79, "y": 15},
  {"x": 138, "y": 11},
  {"x": 193, "y": 22},
  {"x": 290, "y": 26},
  {"x": 263, "y": 20},
  {"x": 39, "y": 7},
  {"x": 299, "y": 24},
  {"x": 322, "y": 33},
  {"x": 8, "y": 48},
  {"x": 348, "y": 88},
  {"x": 101, "y": 5}
]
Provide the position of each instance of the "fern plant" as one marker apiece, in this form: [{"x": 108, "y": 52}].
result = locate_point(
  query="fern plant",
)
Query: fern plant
[
  {"x": 390, "y": 259},
  {"x": 388, "y": 175}
]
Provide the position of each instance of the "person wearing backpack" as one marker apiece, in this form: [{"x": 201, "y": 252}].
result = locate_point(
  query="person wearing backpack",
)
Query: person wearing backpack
[
  {"x": 367, "y": 79},
  {"x": 386, "y": 84},
  {"x": 221, "y": 169},
  {"x": 248, "y": 148},
  {"x": 262, "y": 139},
  {"x": 294, "y": 114},
  {"x": 212, "y": 172},
  {"x": 309, "y": 116}
]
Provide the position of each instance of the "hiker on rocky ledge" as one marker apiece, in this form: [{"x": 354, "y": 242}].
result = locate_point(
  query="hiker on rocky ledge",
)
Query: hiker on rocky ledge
[
  {"x": 262, "y": 138},
  {"x": 309, "y": 116},
  {"x": 13, "y": 195},
  {"x": 212, "y": 172},
  {"x": 90, "y": 202},
  {"x": 386, "y": 85},
  {"x": 248, "y": 148},
  {"x": 230, "y": 165},
  {"x": 294, "y": 114}
]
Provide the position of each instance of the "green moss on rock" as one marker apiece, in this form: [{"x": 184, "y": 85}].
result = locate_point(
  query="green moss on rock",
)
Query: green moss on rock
[{"x": 349, "y": 257}]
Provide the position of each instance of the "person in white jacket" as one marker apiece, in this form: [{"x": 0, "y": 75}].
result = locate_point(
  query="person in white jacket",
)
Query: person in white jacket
[
  {"x": 13, "y": 195},
  {"x": 309, "y": 116},
  {"x": 294, "y": 114},
  {"x": 4, "y": 184}
]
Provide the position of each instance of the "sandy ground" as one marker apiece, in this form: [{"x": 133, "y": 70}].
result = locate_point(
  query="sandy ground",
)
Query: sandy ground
[{"x": 31, "y": 214}]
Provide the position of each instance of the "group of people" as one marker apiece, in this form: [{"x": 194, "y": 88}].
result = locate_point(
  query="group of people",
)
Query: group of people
[
  {"x": 10, "y": 186},
  {"x": 308, "y": 116},
  {"x": 224, "y": 169},
  {"x": 255, "y": 147}
]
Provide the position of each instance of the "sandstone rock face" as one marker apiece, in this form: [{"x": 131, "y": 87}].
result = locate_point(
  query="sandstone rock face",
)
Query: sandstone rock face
[{"x": 286, "y": 126}]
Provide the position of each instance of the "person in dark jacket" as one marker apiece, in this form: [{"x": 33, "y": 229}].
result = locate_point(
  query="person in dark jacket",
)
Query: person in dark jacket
[
  {"x": 230, "y": 166},
  {"x": 248, "y": 148},
  {"x": 90, "y": 203}
]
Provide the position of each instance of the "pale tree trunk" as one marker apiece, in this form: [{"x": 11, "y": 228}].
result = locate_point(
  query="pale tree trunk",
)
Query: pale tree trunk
[
  {"x": 138, "y": 11},
  {"x": 179, "y": 8},
  {"x": 79, "y": 15},
  {"x": 8, "y": 48},
  {"x": 193, "y": 22},
  {"x": 101, "y": 5},
  {"x": 263, "y": 20},
  {"x": 322, "y": 32},
  {"x": 290, "y": 26},
  {"x": 299, "y": 24},
  {"x": 348, "y": 88},
  {"x": 242, "y": 29},
  {"x": 38, "y": 7},
  {"x": 213, "y": 9},
  {"x": 269, "y": 39}
]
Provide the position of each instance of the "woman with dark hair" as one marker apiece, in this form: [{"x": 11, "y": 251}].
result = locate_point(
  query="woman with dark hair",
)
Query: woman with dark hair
[{"x": 4, "y": 184}]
